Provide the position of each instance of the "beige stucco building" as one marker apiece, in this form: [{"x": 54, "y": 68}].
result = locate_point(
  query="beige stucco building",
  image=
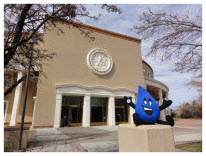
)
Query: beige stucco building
[{"x": 86, "y": 81}]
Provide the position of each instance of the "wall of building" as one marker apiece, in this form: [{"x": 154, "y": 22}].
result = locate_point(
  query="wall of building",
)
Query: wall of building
[
  {"x": 30, "y": 102},
  {"x": 147, "y": 69},
  {"x": 70, "y": 67}
]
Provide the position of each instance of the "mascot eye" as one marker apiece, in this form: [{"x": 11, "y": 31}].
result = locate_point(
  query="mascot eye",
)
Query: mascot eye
[
  {"x": 128, "y": 100},
  {"x": 150, "y": 102},
  {"x": 145, "y": 101}
]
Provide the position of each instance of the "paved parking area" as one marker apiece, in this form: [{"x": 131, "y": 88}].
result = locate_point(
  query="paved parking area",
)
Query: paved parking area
[
  {"x": 94, "y": 139},
  {"x": 188, "y": 122}
]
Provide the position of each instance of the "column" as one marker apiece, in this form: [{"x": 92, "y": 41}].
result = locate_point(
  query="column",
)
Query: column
[
  {"x": 86, "y": 111},
  {"x": 111, "y": 111},
  {"x": 162, "y": 113},
  {"x": 58, "y": 109},
  {"x": 168, "y": 109},
  {"x": 17, "y": 97},
  {"x": 132, "y": 110},
  {"x": 34, "y": 110}
]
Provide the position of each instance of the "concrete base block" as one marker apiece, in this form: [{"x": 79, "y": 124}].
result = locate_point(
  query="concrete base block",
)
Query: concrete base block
[
  {"x": 145, "y": 138},
  {"x": 11, "y": 139}
]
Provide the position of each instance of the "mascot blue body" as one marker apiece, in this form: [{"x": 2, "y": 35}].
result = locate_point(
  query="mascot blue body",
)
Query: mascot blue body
[
  {"x": 147, "y": 110},
  {"x": 146, "y": 107}
]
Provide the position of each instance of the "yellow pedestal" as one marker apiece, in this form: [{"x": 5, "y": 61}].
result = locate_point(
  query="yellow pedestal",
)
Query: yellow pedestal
[{"x": 145, "y": 138}]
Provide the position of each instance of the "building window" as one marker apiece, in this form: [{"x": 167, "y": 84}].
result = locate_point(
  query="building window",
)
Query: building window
[
  {"x": 121, "y": 111},
  {"x": 7, "y": 79},
  {"x": 71, "y": 114},
  {"x": 148, "y": 74},
  {"x": 5, "y": 108},
  {"x": 99, "y": 111}
]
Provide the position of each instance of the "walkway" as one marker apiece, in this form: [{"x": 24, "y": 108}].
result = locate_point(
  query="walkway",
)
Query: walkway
[
  {"x": 74, "y": 139},
  {"x": 94, "y": 139}
]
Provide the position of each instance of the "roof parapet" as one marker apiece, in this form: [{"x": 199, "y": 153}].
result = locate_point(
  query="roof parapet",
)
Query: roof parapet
[{"x": 103, "y": 31}]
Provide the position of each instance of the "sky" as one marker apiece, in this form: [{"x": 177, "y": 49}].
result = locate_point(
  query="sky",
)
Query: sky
[{"x": 123, "y": 23}]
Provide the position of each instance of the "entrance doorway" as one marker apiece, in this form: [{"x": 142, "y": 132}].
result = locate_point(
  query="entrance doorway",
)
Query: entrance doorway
[
  {"x": 71, "y": 114},
  {"x": 98, "y": 111},
  {"x": 121, "y": 111}
]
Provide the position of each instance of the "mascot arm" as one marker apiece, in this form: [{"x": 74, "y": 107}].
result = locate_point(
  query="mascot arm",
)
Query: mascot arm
[
  {"x": 165, "y": 104},
  {"x": 129, "y": 101}
]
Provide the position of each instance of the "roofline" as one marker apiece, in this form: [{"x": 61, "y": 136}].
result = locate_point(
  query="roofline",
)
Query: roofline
[
  {"x": 103, "y": 31},
  {"x": 156, "y": 81},
  {"x": 148, "y": 65}
]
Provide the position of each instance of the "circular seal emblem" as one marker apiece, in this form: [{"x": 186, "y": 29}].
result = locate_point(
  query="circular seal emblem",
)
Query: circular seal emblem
[{"x": 100, "y": 61}]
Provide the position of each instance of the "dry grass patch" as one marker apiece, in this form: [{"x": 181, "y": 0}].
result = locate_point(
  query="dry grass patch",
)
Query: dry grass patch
[{"x": 191, "y": 147}]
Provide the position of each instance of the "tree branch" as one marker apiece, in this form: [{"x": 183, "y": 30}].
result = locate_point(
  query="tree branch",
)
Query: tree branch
[
  {"x": 34, "y": 32},
  {"x": 18, "y": 34},
  {"x": 14, "y": 85}
]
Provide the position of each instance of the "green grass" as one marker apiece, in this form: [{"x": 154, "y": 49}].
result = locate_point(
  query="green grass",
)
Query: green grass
[{"x": 191, "y": 147}]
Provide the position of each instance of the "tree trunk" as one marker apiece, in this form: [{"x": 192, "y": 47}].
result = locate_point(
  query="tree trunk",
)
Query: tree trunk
[{"x": 17, "y": 36}]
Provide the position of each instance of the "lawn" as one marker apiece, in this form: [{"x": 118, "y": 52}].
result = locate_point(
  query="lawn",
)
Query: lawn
[{"x": 191, "y": 147}]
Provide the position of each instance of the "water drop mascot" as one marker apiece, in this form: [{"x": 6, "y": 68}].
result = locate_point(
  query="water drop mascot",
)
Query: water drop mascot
[{"x": 147, "y": 110}]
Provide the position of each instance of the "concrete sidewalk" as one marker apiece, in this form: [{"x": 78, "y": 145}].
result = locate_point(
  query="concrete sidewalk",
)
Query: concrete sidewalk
[
  {"x": 93, "y": 139},
  {"x": 74, "y": 139}
]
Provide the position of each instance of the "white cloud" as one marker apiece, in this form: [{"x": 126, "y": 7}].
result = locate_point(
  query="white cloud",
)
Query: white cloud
[{"x": 182, "y": 94}]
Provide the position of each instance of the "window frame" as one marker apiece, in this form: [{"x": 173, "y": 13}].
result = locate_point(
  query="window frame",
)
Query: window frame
[
  {"x": 148, "y": 74},
  {"x": 6, "y": 110}
]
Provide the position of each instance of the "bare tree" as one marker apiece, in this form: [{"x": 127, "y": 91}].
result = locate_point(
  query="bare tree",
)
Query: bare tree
[
  {"x": 174, "y": 36},
  {"x": 24, "y": 24},
  {"x": 191, "y": 109}
]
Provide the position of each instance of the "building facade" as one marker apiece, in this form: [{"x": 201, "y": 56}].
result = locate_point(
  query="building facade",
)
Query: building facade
[{"x": 86, "y": 81}]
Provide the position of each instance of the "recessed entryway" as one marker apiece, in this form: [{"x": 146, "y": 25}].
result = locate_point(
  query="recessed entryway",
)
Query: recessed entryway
[
  {"x": 121, "y": 111},
  {"x": 78, "y": 105},
  {"x": 71, "y": 114},
  {"x": 99, "y": 106}
]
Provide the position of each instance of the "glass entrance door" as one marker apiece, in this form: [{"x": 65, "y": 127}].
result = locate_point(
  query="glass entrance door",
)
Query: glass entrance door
[
  {"x": 71, "y": 111},
  {"x": 98, "y": 111},
  {"x": 121, "y": 111}
]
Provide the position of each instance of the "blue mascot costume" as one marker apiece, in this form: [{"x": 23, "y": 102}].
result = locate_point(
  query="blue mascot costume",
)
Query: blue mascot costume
[{"x": 147, "y": 110}]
